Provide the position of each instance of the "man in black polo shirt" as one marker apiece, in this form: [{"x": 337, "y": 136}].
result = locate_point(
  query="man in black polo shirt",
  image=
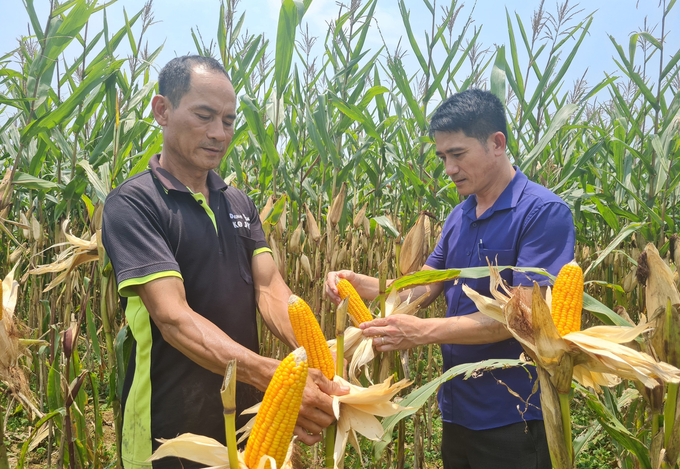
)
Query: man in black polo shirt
[{"x": 191, "y": 258}]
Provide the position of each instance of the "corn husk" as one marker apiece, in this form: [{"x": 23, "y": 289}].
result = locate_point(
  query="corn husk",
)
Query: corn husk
[
  {"x": 79, "y": 251},
  {"x": 11, "y": 372},
  {"x": 359, "y": 349},
  {"x": 598, "y": 356},
  {"x": 356, "y": 413},
  {"x": 266, "y": 210},
  {"x": 360, "y": 217},
  {"x": 662, "y": 301},
  {"x": 210, "y": 452},
  {"x": 413, "y": 247},
  {"x": 312, "y": 227},
  {"x": 295, "y": 240},
  {"x": 306, "y": 266},
  {"x": 338, "y": 205},
  {"x": 655, "y": 274},
  {"x": 674, "y": 249}
]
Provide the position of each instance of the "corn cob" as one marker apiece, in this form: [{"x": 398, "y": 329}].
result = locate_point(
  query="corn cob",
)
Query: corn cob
[
  {"x": 309, "y": 335},
  {"x": 356, "y": 308},
  {"x": 278, "y": 413},
  {"x": 567, "y": 299}
]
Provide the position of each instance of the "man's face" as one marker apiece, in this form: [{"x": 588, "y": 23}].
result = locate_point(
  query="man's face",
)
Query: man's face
[
  {"x": 198, "y": 131},
  {"x": 471, "y": 165}
]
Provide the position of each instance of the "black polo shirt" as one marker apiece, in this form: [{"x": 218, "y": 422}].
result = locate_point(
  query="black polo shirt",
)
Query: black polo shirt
[{"x": 153, "y": 227}]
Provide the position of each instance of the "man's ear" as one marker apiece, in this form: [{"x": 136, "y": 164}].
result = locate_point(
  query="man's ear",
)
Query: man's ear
[
  {"x": 161, "y": 106},
  {"x": 498, "y": 143}
]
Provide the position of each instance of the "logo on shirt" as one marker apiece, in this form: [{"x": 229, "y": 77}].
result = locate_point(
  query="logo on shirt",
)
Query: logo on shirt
[{"x": 240, "y": 220}]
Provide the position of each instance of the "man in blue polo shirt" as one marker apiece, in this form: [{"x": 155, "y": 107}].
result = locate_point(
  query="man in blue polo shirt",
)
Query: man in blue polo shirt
[{"x": 511, "y": 221}]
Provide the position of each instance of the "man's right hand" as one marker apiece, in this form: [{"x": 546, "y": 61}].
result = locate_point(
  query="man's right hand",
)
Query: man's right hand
[
  {"x": 316, "y": 412},
  {"x": 332, "y": 280}
]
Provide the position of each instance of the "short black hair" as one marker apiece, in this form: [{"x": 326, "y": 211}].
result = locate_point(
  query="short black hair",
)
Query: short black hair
[
  {"x": 477, "y": 113},
  {"x": 174, "y": 80}
]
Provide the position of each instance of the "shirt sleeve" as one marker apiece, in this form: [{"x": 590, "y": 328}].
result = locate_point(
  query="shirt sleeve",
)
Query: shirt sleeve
[
  {"x": 256, "y": 231},
  {"x": 547, "y": 241},
  {"x": 136, "y": 242}
]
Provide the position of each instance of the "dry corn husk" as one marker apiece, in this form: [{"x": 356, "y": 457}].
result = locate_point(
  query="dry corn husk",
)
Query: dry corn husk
[
  {"x": 662, "y": 300},
  {"x": 312, "y": 227},
  {"x": 655, "y": 274},
  {"x": 598, "y": 356},
  {"x": 359, "y": 349},
  {"x": 79, "y": 251},
  {"x": 281, "y": 224},
  {"x": 267, "y": 209},
  {"x": 295, "y": 240},
  {"x": 357, "y": 411},
  {"x": 210, "y": 452},
  {"x": 413, "y": 247},
  {"x": 304, "y": 260},
  {"x": 360, "y": 217},
  {"x": 335, "y": 211},
  {"x": 11, "y": 372}
]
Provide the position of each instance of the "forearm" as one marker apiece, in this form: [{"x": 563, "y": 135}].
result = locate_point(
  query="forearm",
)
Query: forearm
[
  {"x": 471, "y": 329},
  {"x": 272, "y": 301},
  {"x": 208, "y": 346}
]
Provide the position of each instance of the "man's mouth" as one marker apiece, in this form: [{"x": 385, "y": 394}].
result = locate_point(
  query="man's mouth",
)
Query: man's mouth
[{"x": 212, "y": 150}]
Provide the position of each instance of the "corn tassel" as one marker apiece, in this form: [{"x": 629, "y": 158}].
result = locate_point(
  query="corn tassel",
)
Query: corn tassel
[
  {"x": 309, "y": 335},
  {"x": 357, "y": 309},
  {"x": 276, "y": 418},
  {"x": 567, "y": 299}
]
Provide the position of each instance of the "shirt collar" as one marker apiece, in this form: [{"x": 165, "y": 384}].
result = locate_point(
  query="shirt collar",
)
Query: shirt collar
[
  {"x": 508, "y": 198},
  {"x": 170, "y": 182}
]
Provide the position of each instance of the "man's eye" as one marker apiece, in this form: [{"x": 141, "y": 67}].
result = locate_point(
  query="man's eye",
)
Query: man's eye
[
  {"x": 227, "y": 124},
  {"x": 203, "y": 117}
]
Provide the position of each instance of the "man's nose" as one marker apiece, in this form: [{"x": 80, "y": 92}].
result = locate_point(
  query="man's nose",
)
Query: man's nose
[
  {"x": 216, "y": 131},
  {"x": 451, "y": 169}
]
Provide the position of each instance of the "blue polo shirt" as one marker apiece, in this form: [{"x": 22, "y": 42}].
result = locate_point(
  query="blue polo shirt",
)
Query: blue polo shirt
[{"x": 527, "y": 226}]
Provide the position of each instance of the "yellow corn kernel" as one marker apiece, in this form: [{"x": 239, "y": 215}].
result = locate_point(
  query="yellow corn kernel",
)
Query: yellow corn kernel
[
  {"x": 357, "y": 309},
  {"x": 278, "y": 413},
  {"x": 309, "y": 335},
  {"x": 567, "y": 299}
]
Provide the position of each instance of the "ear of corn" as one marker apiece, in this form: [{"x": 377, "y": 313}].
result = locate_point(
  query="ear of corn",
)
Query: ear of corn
[
  {"x": 356, "y": 309},
  {"x": 309, "y": 335},
  {"x": 567, "y": 299},
  {"x": 278, "y": 413}
]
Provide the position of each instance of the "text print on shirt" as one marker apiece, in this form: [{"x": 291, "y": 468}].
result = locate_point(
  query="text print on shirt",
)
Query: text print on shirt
[{"x": 240, "y": 220}]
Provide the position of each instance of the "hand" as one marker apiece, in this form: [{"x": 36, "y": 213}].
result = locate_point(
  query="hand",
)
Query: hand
[
  {"x": 316, "y": 412},
  {"x": 331, "y": 281},
  {"x": 397, "y": 332}
]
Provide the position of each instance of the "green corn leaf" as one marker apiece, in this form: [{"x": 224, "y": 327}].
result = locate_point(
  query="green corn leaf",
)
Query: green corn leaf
[
  {"x": 32, "y": 182},
  {"x": 411, "y": 38},
  {"x": 61, "y": 412},
  {"x": 559, "y": 120},
  {"x": 417, "y": 398},
  {"x": 498, "y": 75},
  {"x": 386, "y": 224},
  {"x": 285, "y": 44}
]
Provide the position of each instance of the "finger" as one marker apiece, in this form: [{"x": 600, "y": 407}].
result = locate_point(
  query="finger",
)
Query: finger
[
  {"x": 309, "y": 426},
  {"x": 316, "y": 415},
  {"x": 379, "y": 322},
  {"x": 306, "y": 438},
  {"x": 327, "y": 386}
]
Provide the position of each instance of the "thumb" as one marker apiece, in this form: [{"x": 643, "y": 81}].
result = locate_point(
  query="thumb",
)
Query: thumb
[{"x": 331, "y": 387}]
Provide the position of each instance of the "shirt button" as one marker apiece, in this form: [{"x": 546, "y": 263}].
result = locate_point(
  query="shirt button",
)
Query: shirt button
[
  {"x": 467, "y": 252},
  {"x": 200, "y": 201},
  {"x": 474, "y": 225}
]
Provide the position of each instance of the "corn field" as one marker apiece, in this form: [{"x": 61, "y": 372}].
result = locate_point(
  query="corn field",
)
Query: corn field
[{"x": 334, "y": 150}]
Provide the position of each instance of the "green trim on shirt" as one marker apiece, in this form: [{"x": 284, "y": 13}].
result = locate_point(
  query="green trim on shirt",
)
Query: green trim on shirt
[
  {"x": 136, "y": 446},
  {"x": 260, "y": 251},
  {"x": 200, "y": 198},
  {"x": 124, "y": 288}
]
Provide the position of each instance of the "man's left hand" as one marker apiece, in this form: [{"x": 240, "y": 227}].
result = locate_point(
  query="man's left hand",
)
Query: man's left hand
[{"x": 397, "y": 332}]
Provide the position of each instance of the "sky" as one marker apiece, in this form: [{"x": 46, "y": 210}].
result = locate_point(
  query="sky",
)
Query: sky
[{"x": 175, "y": 18}]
